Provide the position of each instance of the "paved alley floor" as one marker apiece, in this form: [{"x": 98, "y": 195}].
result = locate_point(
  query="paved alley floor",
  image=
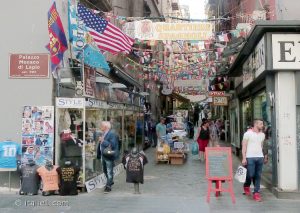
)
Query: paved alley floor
[{"x": 167, "y": 189}]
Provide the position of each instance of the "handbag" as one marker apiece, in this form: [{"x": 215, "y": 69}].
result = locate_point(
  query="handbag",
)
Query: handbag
[
  {"x": 108, "y": 152},
  {"x": 241, "y": 174}
]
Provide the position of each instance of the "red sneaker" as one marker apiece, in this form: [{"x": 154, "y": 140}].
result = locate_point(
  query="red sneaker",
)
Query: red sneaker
[
  {"x": 247, "y": 190},
  {"x": 257, "y": 197}
]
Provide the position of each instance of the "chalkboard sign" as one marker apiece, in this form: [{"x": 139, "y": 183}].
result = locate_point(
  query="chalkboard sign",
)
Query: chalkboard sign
[{"x": 218, "y": 163}]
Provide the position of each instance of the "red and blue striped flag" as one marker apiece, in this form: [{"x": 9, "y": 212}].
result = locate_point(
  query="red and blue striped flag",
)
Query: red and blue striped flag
[{"x": 58, "y": 42}]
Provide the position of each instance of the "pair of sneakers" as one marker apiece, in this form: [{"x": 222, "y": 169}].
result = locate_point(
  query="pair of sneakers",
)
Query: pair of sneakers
[{"x": 256, "y": 195}]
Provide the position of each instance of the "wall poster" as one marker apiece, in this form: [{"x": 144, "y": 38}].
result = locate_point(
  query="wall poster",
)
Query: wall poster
[{"x": 37, "y": 134}]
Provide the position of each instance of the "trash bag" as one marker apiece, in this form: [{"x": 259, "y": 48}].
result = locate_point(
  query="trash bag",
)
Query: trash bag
[{"x": 195, "y": 148}]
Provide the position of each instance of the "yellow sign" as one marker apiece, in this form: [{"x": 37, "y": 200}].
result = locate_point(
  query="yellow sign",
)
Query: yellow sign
[{"x": 147, "y": 30}]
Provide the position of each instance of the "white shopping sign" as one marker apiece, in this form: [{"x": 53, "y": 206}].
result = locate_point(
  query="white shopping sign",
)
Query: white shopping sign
[{"x": 100, "y": 180}]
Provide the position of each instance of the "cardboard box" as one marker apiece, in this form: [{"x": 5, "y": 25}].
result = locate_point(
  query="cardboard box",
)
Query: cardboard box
[{"x": 176, "y": 159}]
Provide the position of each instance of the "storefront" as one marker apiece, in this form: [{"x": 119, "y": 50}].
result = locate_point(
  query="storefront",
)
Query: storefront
[
  {"x": 269, "y": 66},
  {"x": 77, "y": 133}
]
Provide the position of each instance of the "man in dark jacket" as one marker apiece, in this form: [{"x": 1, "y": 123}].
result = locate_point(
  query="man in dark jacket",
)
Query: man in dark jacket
[{"x": 108, "y": 139}]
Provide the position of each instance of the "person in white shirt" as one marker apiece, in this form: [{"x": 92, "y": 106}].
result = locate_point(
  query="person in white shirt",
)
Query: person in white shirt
[{"x": 253, "y": 157}]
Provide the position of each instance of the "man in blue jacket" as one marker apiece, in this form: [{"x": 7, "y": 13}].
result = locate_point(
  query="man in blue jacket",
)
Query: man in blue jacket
[{"x": 109, "y": 138}]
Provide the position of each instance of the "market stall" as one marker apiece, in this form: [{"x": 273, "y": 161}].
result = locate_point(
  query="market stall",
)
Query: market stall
[{"x": 77, "y": 133}]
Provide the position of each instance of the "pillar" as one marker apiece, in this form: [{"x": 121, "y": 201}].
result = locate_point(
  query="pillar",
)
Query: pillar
[{"x": 285, "y": 106}]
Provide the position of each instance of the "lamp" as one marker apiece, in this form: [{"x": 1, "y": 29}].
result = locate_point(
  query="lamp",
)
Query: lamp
[{"x": 118, "y": 86}]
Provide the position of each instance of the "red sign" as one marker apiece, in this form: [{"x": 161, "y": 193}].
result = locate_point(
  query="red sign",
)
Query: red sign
[
  {"x": 29, "y": 66},
  {"x": 216, "y": 93}
]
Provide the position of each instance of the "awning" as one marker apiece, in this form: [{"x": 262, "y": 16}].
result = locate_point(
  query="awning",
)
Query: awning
[
  {"x": 125, "y": 78},
  {"x": 254, "y": 37}
]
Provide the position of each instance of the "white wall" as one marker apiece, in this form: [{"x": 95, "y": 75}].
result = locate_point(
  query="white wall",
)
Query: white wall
[
  {"x": 24, "y": 30},
  {"x": 285, "y": 104}
]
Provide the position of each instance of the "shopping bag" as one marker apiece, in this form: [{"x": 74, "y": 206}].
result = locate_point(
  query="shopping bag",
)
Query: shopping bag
[
  {"x": 195, "y": 148},
  {"x": 240, "y": 174}
]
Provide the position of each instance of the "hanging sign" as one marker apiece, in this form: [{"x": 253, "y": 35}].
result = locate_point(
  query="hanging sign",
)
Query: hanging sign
[
  {"x": 220, "y": 101},
  {"x": 29, "y": 66},
  {"x": 148, "y": 30},
  {"x": 216, "y": 93}
]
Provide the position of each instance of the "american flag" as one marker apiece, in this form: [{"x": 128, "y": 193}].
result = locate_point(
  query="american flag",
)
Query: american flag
[{"x": 106, "y": 36}]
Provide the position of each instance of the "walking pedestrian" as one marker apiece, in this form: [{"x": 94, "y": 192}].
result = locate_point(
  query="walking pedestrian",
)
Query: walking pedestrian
[
  {"x": 203, "y": 137},
  {"x": 108, "y": 139},
  {"x": 254, "y": 157},
  {"x": 161, "y": 130}
]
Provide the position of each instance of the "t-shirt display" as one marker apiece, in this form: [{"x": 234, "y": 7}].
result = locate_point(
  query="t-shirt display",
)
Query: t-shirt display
[
  {"x": 9, "y": 151},
  {"x": 30, "y": 179},
  {"x": 134, "y": 165},
  {"x": 49, "y": 178},
  {"x": 68, "y": 176}
]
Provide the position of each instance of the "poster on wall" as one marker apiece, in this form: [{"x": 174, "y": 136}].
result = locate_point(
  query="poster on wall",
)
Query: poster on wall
[
  {"x": 37, "y": 134},
  {"x": 89, "y": 81}
]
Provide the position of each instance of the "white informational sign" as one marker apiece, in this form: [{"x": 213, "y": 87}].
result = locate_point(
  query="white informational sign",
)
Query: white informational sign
[
  {"x": 100, "y": 180},
  {"x": 148, "y": 30},
  {"x": 70, "y": 102},
  {"x": 286, "y": 51}
]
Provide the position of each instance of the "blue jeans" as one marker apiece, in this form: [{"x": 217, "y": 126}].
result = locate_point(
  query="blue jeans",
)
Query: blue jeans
[
  {"x": 254, "y": 170},
  {"x": 108, "y": 169}
]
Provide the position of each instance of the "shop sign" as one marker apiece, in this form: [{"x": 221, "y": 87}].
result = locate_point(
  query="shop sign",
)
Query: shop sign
[
  {"x": 220, "y": 101},
  {"x": 29, "y": 65},
  {"x": 70, "y": 102},
  {"x": 286, "y": 51},
  {"x": 100, "y": 180},
  {"x": 115, "y": 106},
  {"x": 148, "y": 30},
  {"x": 255, "y": 64},
  {"x": 91, "y": 102},
  {"x": 216, "y": 93}
]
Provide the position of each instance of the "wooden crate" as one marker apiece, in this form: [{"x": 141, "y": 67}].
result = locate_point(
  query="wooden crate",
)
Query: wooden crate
[{"x": 176, "y": 159}]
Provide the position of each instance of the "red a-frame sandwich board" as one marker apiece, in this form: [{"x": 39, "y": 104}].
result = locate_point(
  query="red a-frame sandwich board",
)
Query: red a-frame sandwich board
[{"x": 222, "y": 153}]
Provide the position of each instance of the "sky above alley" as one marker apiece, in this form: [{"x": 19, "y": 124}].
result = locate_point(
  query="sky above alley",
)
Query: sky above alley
[{"x": 196, "y": 8}]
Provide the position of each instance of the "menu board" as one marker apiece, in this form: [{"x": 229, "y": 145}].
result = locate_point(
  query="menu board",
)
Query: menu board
[
  {"x": 37, "y": 134},
  {"x": 218, "y": 163}
]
